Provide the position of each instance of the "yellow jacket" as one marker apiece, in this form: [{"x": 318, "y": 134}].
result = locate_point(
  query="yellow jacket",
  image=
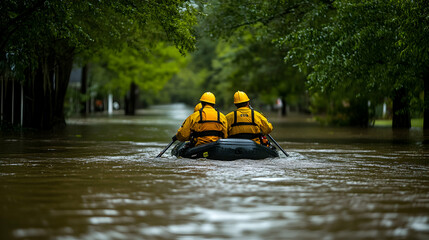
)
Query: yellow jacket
[
  {"x": 203, "y": 126},
  {"x": 247, "y": 123}
]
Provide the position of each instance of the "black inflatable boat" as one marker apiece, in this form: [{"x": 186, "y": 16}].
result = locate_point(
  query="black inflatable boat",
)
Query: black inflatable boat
[{"x": 226, "y": 150}]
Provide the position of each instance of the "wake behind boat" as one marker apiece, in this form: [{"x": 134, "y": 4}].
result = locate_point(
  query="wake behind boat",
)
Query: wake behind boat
[{"x": 226, "y": 150}]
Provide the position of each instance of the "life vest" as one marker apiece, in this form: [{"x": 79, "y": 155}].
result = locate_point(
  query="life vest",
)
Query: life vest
[
  {"x": 253, "y": 130},
  {"x": 209, "y": 125}
]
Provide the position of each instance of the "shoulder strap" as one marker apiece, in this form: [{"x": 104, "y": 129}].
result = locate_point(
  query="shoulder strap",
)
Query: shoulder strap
[{"x": 201, "y": 114}]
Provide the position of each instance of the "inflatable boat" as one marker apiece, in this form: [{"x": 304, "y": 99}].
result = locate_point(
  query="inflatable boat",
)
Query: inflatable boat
[{"x": 226, "y": 150}]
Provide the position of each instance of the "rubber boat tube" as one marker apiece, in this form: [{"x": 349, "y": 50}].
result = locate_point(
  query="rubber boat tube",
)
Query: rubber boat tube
[{"x": 226, "y": 150}]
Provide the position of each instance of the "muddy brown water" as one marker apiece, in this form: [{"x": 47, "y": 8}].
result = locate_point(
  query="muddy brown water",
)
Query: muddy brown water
[{"x": 99, "y": 179}]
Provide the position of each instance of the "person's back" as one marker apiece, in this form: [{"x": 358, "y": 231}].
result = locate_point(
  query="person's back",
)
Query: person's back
[
  {"x": 246, "y": 122},
  {"x": 205, "y": 125},
  {"x": 210, "y": 126}
]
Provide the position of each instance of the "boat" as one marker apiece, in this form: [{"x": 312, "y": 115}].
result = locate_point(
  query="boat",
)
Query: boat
[{"x": 226, "y": 150}]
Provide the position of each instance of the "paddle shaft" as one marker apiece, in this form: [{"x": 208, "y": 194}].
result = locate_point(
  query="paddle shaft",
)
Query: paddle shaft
[
  {"x": 165, "y": 149},
  {"x": 274, "y": 141},
  {"x": 278, "y": 146}
]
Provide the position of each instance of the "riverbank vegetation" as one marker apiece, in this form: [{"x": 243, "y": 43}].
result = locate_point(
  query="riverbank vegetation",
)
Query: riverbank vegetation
[{"x": 349, "y": 61}]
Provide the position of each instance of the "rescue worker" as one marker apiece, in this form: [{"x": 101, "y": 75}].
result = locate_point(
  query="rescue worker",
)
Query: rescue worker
[
  {"x": 246, "y": 122},
  {"x": 206, "y": 125}
]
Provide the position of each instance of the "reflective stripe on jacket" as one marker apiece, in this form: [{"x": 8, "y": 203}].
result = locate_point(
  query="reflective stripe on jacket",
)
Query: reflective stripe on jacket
[
  {"x": 204, "y": 126},
  {"x": 247, "y": 123}
]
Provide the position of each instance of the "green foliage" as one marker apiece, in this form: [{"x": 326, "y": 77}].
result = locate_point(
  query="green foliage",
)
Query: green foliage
[
  {"x": 149, "y": 70},
  {"x": 338, "y": 108},
  {"x": 40, "y": 38},
  {"x": 249, "y": 59},
  {"x": 416, "y": 123},
  {"x": 361, "y": 43},
  {"x": 88, "y": 26},
  {"x": 185, "y": 87},
  {"x": 371, "y": 48},
  {"x": 190, "y": 82}
]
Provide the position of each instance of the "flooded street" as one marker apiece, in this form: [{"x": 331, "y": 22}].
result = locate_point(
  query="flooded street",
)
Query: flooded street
[{"x": 99, "y": 179}]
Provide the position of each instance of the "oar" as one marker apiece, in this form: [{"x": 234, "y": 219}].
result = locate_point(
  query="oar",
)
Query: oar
[
  {"x": 278, "y": 146},
  {"x": 165, "y": 149}
]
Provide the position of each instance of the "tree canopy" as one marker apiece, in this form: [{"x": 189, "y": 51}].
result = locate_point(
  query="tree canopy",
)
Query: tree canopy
[
  {"x": 352, "y": 52},
  {"x": 150, "y": 69},
  {"x": 371, "y": 49},
  {"x": 40, "y": 39}
]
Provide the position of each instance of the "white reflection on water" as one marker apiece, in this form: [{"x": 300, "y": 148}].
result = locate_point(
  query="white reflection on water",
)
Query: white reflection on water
[
  {"x": 272, "y": 179},
  {"x": 420, "y": 223},
  {"x": 29, "y": 232}
]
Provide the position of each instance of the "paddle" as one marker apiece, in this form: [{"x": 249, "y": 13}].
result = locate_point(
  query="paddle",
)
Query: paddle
[
  {"x": 165, "y": 149},
  {"x": 274, "y": 141},
  {"x": 278, "y": 146}
]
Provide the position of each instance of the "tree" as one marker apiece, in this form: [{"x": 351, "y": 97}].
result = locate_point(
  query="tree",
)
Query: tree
[
  {"x": 249, "y": 59},
  {"x": 412, "y": 17},
  {"x": 40, "y": 39},
  {"x": 365, "y": 45},
  {"x": 191, "y": 81},
  {"x": 371, "y": 48},
  {"x": 139, "y": 67}
]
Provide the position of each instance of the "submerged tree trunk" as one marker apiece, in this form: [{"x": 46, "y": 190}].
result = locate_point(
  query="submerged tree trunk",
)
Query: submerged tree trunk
[
  {"x": 426, "y": 99},
  {"x": 359, "y": 112},
  {"x": 39, "y": 90},
  {"x": 284, "y": 107},
  {"x": 46, "y": 88},
  {"x": 401, "y": 109},
  {"x": 11, "y": 102},
  {"x": 63, "y": 68},
  {"x": 130, "y": 100},
  {"x": 83, "y": 88}
]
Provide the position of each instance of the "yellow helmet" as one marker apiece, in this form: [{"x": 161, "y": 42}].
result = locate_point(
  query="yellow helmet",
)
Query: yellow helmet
[
  {"x": 198, "y": 107},
  {"x": 240, "y": 97},
  {"x": 208, "y": 97}
]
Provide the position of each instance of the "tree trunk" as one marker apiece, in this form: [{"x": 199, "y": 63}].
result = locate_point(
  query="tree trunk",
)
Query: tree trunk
[
  {"x": 6, "y": 93},
  {"x": 39, "y": 89},
  {"x": 83, "y": 88},
  {"x": 284, "y": 107},
  {"x": 64, "y": 65},
  {"x": 401, "y": 109},
  {"x": 426, "y": 99},
  {"x": 7, "y": 103},
  {"x": 359, "y": 112},
  {"x": 130, "y": 100},
  {"x": 46, "y": 89}
]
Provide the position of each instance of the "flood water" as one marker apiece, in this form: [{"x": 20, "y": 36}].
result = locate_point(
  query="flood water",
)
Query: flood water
[{"x": 99, "y": 179}]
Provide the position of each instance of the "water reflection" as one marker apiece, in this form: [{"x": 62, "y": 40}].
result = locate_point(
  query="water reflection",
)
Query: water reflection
[{"x": 99, "y": 179}]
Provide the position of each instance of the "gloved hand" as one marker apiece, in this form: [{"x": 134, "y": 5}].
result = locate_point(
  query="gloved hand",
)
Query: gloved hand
[{"x": 174, "y": 138}]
